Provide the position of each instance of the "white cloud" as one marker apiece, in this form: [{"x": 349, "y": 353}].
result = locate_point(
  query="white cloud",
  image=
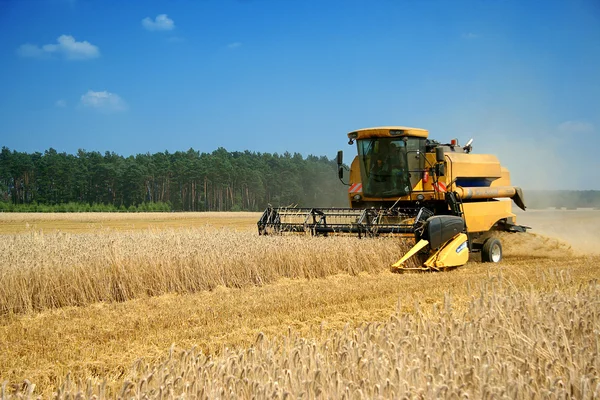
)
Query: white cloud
[
  {"x": 31, "y": 50},
  {"x": 103, "y": 101},
  {"x": 160, "y": 23},
  {"x": 571, "y": 127},
  {"x": 65, "y": 45},
  {"x": 234, "y": 45},
  {"x": 60, "y": 103}
]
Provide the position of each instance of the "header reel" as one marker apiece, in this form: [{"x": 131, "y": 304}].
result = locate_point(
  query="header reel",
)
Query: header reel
[{"x": 326, "y": 221}]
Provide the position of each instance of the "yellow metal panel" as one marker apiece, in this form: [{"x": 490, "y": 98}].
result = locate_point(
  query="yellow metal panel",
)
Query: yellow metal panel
[
  {"x": 481, "y": 216},
  {"x": 419, "y": 185},
  {"x": 463, "y": 165},
  {"x": 384, "y": 131},
  {"x": 504, "y": 179},
  {"x": 415, "y": 249},
  {"x": 354, "y": 178},
  {"x": 454, "y": 253},
  {"x": 355, "y": 171}
]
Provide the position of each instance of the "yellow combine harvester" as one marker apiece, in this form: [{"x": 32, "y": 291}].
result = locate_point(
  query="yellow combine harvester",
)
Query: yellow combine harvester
[{"x": 449, "y": 200}]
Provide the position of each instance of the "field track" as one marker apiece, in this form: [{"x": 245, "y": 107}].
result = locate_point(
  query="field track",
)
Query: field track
[
  {"x": 314, "y": 289},
  {"x": 109, "y": 222}
]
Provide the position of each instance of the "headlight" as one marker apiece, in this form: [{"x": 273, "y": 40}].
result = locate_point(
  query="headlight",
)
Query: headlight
[
  {"x": 420, "y": 197},
  {"x": 356, "y": 197}
]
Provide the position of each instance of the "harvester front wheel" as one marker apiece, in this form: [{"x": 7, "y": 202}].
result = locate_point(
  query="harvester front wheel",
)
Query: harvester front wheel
[{"x": 491, "y": 250}]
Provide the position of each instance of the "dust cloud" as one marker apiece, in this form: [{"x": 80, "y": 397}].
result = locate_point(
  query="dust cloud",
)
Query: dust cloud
[
  {"x": 556, "y": 232},
  {"x": 539, "y": 152},
  {"x": 546, "y": 161}
]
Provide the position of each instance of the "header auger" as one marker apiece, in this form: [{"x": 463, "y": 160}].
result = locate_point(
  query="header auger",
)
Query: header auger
[{"x": 402, "y": 183}]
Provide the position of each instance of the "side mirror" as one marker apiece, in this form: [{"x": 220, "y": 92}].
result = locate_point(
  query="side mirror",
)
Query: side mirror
[
  {"x": 340, "y": 158},
  {"x": 440, "y": 170},
  {"x": 439, "y": 154}
]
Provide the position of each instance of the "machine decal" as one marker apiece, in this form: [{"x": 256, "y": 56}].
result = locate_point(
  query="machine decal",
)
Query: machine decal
[
  {"x": 461, "y": 247},
  {"x": 439, "y": 187},
  {"x": 355, "y": 188}
]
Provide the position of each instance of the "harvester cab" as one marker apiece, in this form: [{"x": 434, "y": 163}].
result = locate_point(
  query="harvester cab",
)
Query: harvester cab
[{"x": 447, "y": 199}]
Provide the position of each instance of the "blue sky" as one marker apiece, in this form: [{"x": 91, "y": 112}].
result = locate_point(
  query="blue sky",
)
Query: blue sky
[{"x": 521, "y": 77}]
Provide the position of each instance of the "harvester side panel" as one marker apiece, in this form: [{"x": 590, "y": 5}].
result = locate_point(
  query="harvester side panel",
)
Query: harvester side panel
[
  {"x": 482, "y": 216},
  {"x": 463, "y": 165}
]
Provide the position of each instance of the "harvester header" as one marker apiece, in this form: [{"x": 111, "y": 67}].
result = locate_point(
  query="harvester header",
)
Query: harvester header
[{"x": 401, "y": 182}]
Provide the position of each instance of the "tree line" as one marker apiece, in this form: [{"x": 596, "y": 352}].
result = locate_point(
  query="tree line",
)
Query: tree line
[
  {"x": 190, "y": 181},
  {"x": 179, "y": 181}
]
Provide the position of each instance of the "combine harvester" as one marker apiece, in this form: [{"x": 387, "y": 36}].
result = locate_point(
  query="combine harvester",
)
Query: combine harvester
[{"x": 447, "y": 199}]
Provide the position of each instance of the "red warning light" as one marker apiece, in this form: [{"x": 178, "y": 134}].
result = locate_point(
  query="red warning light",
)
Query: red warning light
[{"x": 453, "y": 142}]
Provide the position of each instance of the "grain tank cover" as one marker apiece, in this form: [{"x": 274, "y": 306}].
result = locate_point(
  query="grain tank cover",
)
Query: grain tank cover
[{"x": 479, "y": 166}]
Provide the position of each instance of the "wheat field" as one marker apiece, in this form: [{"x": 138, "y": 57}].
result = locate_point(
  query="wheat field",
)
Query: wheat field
[{"x": 197, "y": 305}]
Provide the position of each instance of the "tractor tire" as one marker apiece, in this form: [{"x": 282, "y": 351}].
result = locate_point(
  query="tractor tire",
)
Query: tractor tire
[{"x": 491, "y": 250}]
